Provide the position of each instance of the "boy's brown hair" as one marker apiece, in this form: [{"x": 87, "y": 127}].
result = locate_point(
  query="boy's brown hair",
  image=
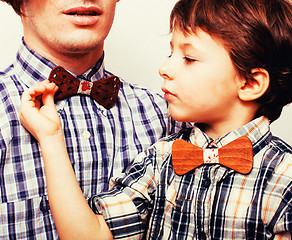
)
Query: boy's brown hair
[
  {"x": 256, "y": 33},
  {"x": 16, "y": 4}
]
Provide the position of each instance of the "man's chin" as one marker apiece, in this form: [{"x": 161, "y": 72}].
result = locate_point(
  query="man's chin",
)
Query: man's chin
[{"x": 80, "y": 47}]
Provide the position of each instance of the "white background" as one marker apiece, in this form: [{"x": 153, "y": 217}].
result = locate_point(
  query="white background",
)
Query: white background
[{"x": 136, "y": 46}]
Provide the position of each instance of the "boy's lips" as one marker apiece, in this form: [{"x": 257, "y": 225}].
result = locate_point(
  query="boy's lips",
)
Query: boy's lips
[
  {"x": 83, "y": 16},
  {"x": 167, "y": 94}
]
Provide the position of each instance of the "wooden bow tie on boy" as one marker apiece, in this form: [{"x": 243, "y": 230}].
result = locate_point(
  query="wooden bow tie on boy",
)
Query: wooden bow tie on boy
[
  {"x": 237, "y": 155},
  {"x": 104, "y": 91}
]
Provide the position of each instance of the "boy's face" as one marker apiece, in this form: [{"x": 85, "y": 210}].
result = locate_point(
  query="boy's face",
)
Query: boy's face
[
  {"x": 67, "y": 27},
  {"x": 200, "y": 81}
]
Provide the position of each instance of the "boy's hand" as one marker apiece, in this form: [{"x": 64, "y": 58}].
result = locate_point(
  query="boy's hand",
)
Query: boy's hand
[{"x": 40, "y": 120}]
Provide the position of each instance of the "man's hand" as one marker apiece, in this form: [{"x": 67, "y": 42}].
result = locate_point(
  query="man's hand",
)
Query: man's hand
[{"x": 40, "y": 120}]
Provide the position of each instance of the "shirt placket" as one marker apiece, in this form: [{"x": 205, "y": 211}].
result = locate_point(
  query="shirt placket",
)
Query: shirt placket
[{"x": 206, "y": 199}]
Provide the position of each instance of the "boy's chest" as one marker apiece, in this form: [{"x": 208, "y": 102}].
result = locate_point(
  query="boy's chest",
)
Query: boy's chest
[{"x": 210, "y": 202}]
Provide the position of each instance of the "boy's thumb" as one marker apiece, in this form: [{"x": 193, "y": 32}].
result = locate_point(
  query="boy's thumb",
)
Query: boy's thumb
[{"x": 48, "y": 95}]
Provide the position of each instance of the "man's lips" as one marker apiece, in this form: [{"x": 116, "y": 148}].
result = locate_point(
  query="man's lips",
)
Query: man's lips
[
  {"x": 83, "y": 11},
  {"x": 83, "y": 16}
]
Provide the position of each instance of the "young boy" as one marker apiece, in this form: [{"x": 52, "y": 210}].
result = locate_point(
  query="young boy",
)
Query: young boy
[{"x": 229, "y": 72}]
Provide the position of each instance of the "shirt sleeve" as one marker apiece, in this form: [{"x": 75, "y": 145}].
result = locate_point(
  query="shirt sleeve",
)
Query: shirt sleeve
[
  {"x": 284, "y": 224},
  {"x": 282, "y": 220},
  {"x": 126, "y": 207}
]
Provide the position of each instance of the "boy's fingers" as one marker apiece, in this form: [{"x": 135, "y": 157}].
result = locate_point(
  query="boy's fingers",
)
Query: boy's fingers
[
  {"x": 48, "y": 95},
  {"x": 32, "y": 97},
  {"x": 38, "y": 89},
  {"x": 33, "y": 92}
]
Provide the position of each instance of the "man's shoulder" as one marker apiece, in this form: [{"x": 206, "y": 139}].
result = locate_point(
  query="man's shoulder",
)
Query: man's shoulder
[
  {"x": 10, "y": 90},
  {"x": 140, "y": 94},
  {"x": 8, "y": 79},
  {"x": 138, "y": 88},
  {"x": 6, "y": 72},
  {"x": 132, "y": 88}
]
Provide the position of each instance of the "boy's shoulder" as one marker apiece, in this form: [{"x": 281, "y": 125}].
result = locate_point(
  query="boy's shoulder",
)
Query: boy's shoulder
[
  {"x": 282, "y": 152},
  {"x": 276, "y": 164},
  {"x": 272, "y": 151},
  {"x": 281, "y": 145},
  {"x": 276, "y": 173},
  {"x": 279, "y": 152}
]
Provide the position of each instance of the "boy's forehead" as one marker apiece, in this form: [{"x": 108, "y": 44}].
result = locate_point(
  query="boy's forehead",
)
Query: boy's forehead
[
  {"x": 198, "y": 36},
  {"x": 192, "y": 36},
  {"x": 200, "y": 43}
]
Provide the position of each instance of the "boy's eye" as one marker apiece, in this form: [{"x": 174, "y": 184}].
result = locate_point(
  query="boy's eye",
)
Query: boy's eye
[{"x": 189, "y": 60}]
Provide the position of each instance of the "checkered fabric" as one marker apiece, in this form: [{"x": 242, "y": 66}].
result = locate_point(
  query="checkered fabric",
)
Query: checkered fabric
[
  {"x": 101, "y": 143},
  {"x": 210, "y": 202}
]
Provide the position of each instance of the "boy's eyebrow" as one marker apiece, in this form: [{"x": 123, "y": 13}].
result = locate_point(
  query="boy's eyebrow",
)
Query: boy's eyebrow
[
  {"x": 183, "y": 45},
  {"x": 189, "y": 46},
  {"x": 186, "y": 45}
]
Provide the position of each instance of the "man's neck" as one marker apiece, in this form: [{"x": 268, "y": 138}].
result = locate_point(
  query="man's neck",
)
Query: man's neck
[{"x": 77, "y": 63}]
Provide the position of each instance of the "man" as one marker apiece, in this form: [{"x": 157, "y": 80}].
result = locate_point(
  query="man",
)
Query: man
[{"x": 101, "y": 140}]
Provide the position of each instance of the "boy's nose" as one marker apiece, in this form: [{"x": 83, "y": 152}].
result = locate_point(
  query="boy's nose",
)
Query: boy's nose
[{"x": 164, "y": 71}]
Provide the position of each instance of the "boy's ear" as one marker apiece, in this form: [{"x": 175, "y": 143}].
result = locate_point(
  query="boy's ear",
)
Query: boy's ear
[{"x": 254, "y": 88}]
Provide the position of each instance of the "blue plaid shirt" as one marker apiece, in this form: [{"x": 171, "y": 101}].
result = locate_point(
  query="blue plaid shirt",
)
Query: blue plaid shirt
[
  {"x": 210, "y": 202},
  {"x": 101, "y": 143}
]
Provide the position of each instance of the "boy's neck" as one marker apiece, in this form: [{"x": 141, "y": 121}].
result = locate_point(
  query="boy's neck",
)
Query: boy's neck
[
  {"x": 220, "y": 130},
  {"x": 237, "y": 118}
]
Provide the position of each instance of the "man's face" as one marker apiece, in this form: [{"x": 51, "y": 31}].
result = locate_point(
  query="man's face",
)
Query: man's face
[{"x": 67, "y": 27}]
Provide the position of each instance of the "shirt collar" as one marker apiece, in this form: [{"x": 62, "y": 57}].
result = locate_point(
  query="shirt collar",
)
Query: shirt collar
[
  {"x": 257, "y": 131},
  {"x": 32, "y": 67}
]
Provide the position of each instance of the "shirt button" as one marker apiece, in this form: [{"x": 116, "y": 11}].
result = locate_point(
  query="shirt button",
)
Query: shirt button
[
  {"x": 206, "y": 182},
  {"x": 202, "y": 236},
  {"x": 86, "y": 134},
  {"x": 44, "y": 205}
]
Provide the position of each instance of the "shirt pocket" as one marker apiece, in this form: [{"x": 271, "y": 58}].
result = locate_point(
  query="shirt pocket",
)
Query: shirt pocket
[
  {"x": 30, "y": 219},
  {"x": 180, "y": 200},
  {"x": 179, "y": 215}
]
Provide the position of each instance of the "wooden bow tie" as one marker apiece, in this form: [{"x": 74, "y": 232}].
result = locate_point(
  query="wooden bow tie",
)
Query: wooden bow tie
[
  {"x": 237, "y": 155},
  {"x": 104, "y": 91}
]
